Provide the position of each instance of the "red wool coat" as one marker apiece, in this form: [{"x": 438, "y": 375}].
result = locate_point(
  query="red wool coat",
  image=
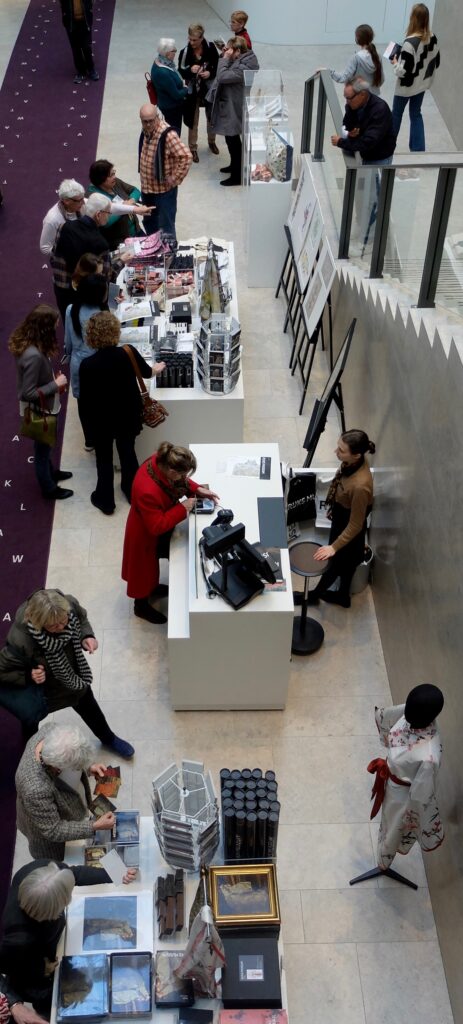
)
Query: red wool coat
[{"x": 152, "y": 513}]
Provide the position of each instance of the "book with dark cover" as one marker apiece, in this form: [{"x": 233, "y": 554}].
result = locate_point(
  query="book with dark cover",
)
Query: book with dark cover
[
  {"x": 194, "y": 1016},
  {"x": 131, "y": 984},
  {"x": 251, "y": 977},
  {"x": 170, "y": 991},
  {"x": 83, "y": 988}
]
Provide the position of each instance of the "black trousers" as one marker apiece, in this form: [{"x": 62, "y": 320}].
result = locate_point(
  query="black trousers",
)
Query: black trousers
[
  {"x": 86, "y": 433},
  {"x": 91, "y": 713},
  {"x": 345, "y": 561},
  {"x": 80, "y": 38},
  {"x": 234, "y": 148},
  {"x": 64, "y": 297},
  {"x": 104, "y": 491}
]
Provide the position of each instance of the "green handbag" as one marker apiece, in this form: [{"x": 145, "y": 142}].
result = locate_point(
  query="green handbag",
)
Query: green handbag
[{"x": 39, "y": 424}]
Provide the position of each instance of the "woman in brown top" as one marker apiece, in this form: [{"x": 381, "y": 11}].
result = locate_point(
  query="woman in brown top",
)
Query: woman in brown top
[{"x": 350, "y": 498}]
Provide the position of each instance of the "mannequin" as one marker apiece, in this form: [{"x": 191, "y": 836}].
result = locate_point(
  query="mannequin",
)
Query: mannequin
[{"x": 405, "y": 782}]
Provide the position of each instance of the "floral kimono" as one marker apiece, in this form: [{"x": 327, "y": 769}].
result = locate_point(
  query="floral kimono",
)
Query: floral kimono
[{"x": 405, "y": 786}]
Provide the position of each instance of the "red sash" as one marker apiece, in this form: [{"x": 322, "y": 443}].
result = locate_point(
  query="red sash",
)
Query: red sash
[{"x": 380, "y": 768}]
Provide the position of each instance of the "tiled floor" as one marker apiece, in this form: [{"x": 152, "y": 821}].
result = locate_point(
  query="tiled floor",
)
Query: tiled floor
[{"x": 367, "y": 955}]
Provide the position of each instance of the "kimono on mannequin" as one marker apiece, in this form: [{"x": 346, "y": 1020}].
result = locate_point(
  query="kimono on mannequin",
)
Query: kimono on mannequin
[{"x": 405, "y": 784}]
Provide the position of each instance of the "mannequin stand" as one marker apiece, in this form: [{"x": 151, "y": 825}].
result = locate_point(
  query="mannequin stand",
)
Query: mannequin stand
[{"x": 378, "y": 872}]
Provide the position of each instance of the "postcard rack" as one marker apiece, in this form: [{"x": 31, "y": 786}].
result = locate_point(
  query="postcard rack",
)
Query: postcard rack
[{"x": 186, "y": 815}]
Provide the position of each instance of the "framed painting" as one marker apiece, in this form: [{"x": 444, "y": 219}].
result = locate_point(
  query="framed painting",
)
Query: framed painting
[{"x": 244, "y": 895}]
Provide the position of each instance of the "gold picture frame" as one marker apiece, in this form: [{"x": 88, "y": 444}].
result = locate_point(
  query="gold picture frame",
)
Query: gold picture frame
[{"x": 244, "y": 895}]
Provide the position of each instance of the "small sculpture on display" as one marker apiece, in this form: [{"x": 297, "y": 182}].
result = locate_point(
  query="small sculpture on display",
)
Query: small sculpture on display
[
  {"x": 186, "y": 816},
  {"x": 406, "y": 781},
  {"x": 250, "y": 814}
]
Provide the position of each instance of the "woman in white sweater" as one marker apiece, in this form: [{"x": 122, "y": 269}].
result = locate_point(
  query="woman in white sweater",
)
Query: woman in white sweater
[
  {"x": 415, "y": 68},
  {"x": 365, "y": 64}
]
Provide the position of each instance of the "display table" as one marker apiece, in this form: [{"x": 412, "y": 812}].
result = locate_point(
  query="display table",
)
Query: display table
[
  {"x": 195, "y": 416},
  {"x": 219, "y": 658},
  {"x": 151, "y": 865}
]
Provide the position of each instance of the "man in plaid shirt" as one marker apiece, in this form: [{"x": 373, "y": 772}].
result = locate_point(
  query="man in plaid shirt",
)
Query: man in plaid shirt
[{"x": 164, "y": 161}]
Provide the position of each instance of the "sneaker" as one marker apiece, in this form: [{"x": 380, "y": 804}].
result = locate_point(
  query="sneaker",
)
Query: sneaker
[
  {"x": 94, "y": 76},
  {"x": 121, "y": 747},
  {"x": 78, "y": 79},
  {"x": 105, "y": 511},
  {"x": 58, "y": 494},
  {"x": 143, "y": 610},
  {"x": 214, "y": 149},
  {"x": 61, "y": 474}
]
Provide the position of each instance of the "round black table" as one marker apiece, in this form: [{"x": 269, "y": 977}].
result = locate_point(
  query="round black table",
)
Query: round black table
[{"x": 308, "y": 634}]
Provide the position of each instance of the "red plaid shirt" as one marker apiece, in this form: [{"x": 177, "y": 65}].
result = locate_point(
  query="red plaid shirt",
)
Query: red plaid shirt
[{"x": 177, "y": 160}]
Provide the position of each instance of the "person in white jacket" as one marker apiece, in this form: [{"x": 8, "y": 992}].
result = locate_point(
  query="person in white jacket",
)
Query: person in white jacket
[
  {"x": 71, "y": 205},
  {"x": 365, "y": 64},
  {"x": 415, "y": 67}
]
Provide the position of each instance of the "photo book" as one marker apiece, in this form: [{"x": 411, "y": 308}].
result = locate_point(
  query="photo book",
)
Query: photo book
[
  {"x": 103, "y": 923},
  {"x": 170, "y": 991},
  {"x": 83, "y": 989}
]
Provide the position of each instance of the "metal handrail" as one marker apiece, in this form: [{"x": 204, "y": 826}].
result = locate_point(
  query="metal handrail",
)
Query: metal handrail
[{"x": 446, "y": 163}]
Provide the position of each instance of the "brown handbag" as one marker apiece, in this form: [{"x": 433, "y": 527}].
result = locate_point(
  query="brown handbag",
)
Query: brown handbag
[{"x": 154, "y": 412}]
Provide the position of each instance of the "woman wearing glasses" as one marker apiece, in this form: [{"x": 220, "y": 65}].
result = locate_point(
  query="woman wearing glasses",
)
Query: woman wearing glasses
[{"x": 168, "y": 84}]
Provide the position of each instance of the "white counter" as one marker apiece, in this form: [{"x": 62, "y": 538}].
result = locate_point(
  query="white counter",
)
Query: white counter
[{"x": 219, "y": 658}]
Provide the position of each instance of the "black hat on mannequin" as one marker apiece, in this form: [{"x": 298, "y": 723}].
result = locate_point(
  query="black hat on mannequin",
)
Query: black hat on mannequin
[{"x": 424, "y": 703}]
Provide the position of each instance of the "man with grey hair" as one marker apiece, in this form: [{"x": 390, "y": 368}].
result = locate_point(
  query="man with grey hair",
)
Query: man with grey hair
[
  {"x": 70, "y": 206},
  {"x": 163, "y": 163},
  {"x": 367, "y": 125},
  {"x": 32, "y": 924}
]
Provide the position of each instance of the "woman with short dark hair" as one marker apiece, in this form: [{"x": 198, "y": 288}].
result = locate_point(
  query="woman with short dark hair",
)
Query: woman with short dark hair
[
  {"x": 349, "y": 499},
  {"x": 33, "y": 344},
  {"x": 156, "y": 509},
  {"x": 118, "y": 227}
]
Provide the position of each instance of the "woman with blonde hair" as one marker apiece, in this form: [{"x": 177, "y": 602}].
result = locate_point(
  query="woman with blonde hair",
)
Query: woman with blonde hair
[
  {"x": 415, "y": 67},
  {"x": 225, "y": 97},
  {"x": 43, "y": 667},
  {"x": 197, "y": 64},
  {"x": 111, "y": 407},
  {"x": 34, "y": 344}
]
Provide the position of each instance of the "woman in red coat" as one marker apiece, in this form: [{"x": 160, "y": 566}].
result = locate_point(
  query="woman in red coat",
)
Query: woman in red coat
[{"x": 156, "y": 508}]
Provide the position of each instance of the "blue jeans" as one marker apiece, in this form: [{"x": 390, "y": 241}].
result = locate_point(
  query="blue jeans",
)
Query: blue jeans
[
  {"x": 43, "y": 468},
  {"x": 416, "y": 141},
  {"x": 163, "y": 217}
]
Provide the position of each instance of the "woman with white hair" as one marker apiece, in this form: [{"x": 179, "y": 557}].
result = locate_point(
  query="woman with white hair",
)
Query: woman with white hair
[
  {"x": 168, "y": 84},
  {"x": 32, "y": 923},
  {"x": 43, "y": 667},
  {"x": 53, "y": 799}
]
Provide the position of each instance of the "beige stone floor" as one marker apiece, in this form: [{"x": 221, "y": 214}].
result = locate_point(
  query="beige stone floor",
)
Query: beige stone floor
[{"x": 367, "y": 955}]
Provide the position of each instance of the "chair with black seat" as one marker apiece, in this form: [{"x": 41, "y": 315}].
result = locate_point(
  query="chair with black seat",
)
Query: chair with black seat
[{"x": 308, "y": 634}]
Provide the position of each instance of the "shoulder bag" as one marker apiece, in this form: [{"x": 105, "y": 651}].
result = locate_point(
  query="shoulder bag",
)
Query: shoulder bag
[
  {"x": 150, "y": 89},
  {"x": 154, "y": 412},
  {"x": 39, "y": 424}
]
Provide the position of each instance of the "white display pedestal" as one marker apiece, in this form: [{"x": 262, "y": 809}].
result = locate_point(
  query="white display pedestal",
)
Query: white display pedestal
[
  {"x": 219, "y": 658},
  {"x": 152, "y": 864},
  {"x": 268, "y": 208}
]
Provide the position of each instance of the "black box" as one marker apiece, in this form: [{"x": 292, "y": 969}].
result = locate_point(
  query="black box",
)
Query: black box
[
  {"x": 251, "y": 977},
  {"x": 180, "y": 313}
]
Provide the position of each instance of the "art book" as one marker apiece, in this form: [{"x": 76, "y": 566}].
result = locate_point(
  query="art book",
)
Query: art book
[
  {"x": 253, "y": 1017},
  {"x": 83, "y": 988},
  {"x": 170, "y": 991}
]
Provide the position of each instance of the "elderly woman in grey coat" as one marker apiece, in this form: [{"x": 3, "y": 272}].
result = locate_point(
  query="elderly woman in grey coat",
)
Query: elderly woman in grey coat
[
  {"x": 43, "y": 667},
  {"x": 226, "y": 99},
  {"x": 54, "y": 802}
]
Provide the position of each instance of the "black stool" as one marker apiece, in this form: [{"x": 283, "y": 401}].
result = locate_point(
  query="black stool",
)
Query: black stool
[{"x": 308, "y": 634}]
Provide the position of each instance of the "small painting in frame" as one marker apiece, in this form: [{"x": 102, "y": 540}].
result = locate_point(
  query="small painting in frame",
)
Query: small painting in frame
[{"x": 244, "y": 895}]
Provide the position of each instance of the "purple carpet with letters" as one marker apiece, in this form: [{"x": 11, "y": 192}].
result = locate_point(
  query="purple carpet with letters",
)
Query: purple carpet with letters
[{"x": 48, "y": 131}]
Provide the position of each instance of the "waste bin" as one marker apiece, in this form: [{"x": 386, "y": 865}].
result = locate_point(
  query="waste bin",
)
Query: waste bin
[{"x": 362, "y": 573}]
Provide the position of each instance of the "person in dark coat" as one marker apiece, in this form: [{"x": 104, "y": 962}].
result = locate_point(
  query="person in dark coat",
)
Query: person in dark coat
[
  {"x": 367, "y": 125},
  {"x": 33, "y": 922},
  {"x": 78, "y": 20},
  {"x": 156, "y": 510},
  {"x": 43, "y": 667},
  {"x": 197, "y": 64},
  {"x": 111, "y": 406},
  {"x": 226, "y": 99}
]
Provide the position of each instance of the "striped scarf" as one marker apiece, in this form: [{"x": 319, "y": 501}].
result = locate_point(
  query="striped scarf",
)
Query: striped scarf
[{"x": 54, "y": 647}]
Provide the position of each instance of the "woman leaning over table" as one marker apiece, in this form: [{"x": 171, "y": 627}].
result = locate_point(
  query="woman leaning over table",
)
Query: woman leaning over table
[
  {"x": 34, "y": 344},
  {"x": 160, "y": 484}
]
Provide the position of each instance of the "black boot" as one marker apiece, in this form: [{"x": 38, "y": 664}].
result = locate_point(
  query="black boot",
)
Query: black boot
[{"x": 143, "y": 610}]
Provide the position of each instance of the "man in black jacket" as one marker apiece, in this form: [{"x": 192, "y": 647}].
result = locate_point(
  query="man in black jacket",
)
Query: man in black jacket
[
  {"x": 78, "y": 20},
  {"x": 367, "y": 125}
]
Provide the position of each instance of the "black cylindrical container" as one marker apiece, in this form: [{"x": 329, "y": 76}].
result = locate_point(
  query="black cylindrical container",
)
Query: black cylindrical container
[
  {"x": 263, "y": 805},
  {"x": 270, "y": 776},
  {"x": 227, "y": 802},
  {"x": 261, "y": 834},
  {"x": 251, "y": 786},
  {"x": 239, "y": 794},
  {"x": 272, "y": 836},
  {"x": 240, "y": 837},
  {"x": 225, "y": 774},
  {"x": 256, "y": 773},
  {"x": 240, "y": 784},
  {"x": 235, "y": 774},
  {"x": 228, "y": 819},
  {"x": 261, "y": 793},
  {"x": 251, "y": 821},
  {"x": 275, "y": 807},
  {"x": 227, "y": 791},
  {"x": 246, "y": 774},
  {"x": 272, "y": 787},
  {"x": 238, "y": 805},
  {"x": 250, "y": 805}
]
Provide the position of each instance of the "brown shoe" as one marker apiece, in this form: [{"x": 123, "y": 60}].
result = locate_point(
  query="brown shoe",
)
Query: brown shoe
[
  {"x": 194, "y": 153},
  {"x": 214, "y": 149}
]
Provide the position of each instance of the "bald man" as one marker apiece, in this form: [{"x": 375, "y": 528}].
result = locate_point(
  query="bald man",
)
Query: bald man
[{"x": 164, "y": 161}]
